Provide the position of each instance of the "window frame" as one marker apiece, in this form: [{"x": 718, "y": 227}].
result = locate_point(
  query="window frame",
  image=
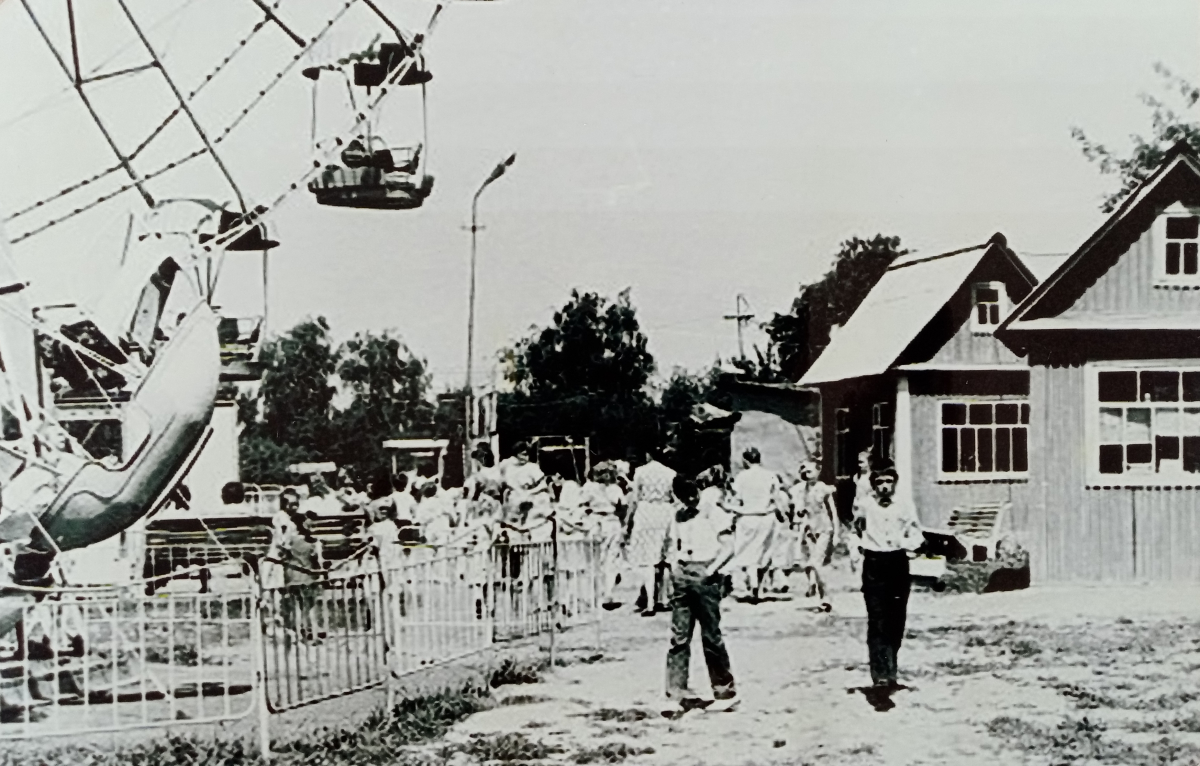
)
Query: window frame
[
  {"x": 1159, "y": 247},
  {"x": 981, "y": 477},
  {"x": 1094, "y": 479},
  {"x": 1003, "y": 306},
  {"x": 844, "y": 465}
]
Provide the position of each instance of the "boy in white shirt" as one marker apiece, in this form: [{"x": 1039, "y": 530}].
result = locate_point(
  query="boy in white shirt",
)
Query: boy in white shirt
[
  {"x": 697, "y": 545},
  {"x": 888, "y": 531}
]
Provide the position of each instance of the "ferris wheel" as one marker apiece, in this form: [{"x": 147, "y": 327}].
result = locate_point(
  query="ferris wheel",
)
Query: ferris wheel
[
  {"x": 154, "y": 359},
  {"x": 357, "y": 166}
]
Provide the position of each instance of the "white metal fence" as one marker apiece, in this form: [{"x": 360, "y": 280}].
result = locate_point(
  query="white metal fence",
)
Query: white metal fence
[
  {"x": 106, "y": 660},
  {"x": 98, "y": 661}
]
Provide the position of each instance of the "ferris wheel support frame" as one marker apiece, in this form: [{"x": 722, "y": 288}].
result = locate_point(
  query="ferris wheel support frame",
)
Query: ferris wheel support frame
[{"x": 77, "y": 82}]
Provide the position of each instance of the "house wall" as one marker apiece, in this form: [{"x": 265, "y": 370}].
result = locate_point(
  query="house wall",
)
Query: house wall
[
  {"x": 935, "y": 500},
  {"x": 965, "y": 346},
  {"x": 1127, "y": 287},
  {"x": 1076, "y": 533}
]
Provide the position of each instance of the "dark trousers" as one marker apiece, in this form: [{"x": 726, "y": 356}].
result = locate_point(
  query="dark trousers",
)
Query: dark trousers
[
  {"x": 885, "y": 587},
  {"x": 695, "y": 601}
]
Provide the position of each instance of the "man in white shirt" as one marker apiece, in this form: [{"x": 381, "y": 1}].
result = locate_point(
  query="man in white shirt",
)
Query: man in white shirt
[
  {"x": 697, "y": 546},
  {"x": 888, "y": 530}
]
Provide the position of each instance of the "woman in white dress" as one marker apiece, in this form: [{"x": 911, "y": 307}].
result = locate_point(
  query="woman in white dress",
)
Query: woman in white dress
[
  {"x": 603, "y": 503},
  {"x": 651, "y": 509}
]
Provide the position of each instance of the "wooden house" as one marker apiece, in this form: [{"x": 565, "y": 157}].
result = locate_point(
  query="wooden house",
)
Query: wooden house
[
  {"x": 917, "y": 377},
  {"x": 1073, "y": 402},
  {"x": 1112, "y": 340}
]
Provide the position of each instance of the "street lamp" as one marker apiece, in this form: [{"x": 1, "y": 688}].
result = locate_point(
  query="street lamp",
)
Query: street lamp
[{"x": 496, "y": 173}]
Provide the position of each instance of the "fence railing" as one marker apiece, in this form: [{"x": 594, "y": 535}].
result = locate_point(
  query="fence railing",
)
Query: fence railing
[
  {"x": 103, "y": 661},
  {"x": 93, "y": 660}
]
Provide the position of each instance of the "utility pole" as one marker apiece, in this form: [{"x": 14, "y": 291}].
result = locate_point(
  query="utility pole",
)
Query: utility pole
[{"x": 741, "y": 314}]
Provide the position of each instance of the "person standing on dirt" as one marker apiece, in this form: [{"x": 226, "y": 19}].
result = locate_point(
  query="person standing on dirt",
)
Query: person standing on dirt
[
  {"x": 300, "y": 556},
  {"x": 697, "y": 545},
  {"x": 650, "y": 511},
  {"x": 888, "y": 530},
  {"x": 756, "y": 492},
  {"x": 815, "y": 523}
]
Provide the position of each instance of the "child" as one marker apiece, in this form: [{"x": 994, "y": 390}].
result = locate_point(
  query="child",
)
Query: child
[
  {"x": 696, "y": 545},
  {"x": 888, "y": 530}
]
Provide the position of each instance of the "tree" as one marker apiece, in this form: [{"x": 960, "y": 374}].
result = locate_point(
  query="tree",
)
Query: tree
[
  {"x": 800, "y": 336},
  {"x": 1168, "y": 127},
  {"x": 296, "y": 394},
  {"x": 584, "y": 375},
  {"x": 288, "y": 421},
  {"x": 389, "y": 388}
]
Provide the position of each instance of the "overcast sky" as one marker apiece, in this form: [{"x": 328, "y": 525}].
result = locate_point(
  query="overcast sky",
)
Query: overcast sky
[{"x": 689, "y": 149}]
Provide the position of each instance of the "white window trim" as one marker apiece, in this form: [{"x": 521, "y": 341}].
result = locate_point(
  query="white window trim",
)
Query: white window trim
[
  {"x": 977, "y": 477},
  {"x": 1091, "y": 441},
  {"x": 1158, "y": 245},
  {"x": 1004, "y": 304}
]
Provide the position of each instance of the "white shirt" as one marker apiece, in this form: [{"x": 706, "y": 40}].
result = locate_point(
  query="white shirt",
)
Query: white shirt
[
  {"x": 386, "y": 537},
  {"x": 696, "y": 540},
  {"x": 405, "y": 505},
  {"x": 756, "y": 489},
  {"x": 813, "y": 506},
  {"x": 889, "y": 528}
]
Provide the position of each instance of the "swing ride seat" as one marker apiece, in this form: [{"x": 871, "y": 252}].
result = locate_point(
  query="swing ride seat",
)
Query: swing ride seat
[
  {"x": 254, "y": 239},
  {"x": 370, "y": 188},
  {"x": 174, "y": 404},
  {"x": 391, "y": 56}
]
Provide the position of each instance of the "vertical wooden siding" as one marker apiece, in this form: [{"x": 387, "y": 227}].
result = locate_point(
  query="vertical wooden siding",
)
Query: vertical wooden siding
[
  {"x": 1127, "y": 288},
  {"x": 935, "y": 501},
  {"x": 967, "y": 347}
]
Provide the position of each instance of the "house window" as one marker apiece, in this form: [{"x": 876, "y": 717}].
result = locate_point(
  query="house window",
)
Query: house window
[
  {"x": 1182, "y": 255},
  {"x": 990, "y": 306},
  {"x": 1148, "y": 424},
  {"x": 984, "y": 439},
  {"x": 881, "y": 431},
  {"x": 844, "y": 464}
]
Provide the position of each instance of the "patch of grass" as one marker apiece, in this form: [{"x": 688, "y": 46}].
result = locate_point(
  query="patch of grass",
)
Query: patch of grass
[
  {"x": 513, "y": 671},
  {"x": 1085, "y": 699},
  {"x": 864, "y": 749},
  {"x": 1179, "y": 724},
  {"x": 377, "y": 739},
  {"x": 615, "y": 714},
  {"x": 1083, "y": 741},
  {"x": 507, "y": 747},
  {"x": 524, "y": 699},
  {"x": 609, "y": 752}
]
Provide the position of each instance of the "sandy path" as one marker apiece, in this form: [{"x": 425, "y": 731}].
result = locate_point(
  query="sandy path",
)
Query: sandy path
[{"x": 969, "y": 660}]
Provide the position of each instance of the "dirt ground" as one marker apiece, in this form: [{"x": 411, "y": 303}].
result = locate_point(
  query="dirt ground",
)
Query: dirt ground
[{"x": 1098, "y": 674}]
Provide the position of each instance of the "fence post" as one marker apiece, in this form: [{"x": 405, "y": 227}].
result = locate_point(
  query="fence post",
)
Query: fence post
[
  {"x": 553, "y": 583},
  {"x": 596, "y": 564},
  {"x": 389, "y": 625},
  {"x": 258, "y": 657}
]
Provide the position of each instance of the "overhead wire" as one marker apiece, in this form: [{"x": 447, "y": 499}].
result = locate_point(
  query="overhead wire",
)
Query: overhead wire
[
  {"x": 208, "y": 78},
  {"x": 58, "y": 95}
]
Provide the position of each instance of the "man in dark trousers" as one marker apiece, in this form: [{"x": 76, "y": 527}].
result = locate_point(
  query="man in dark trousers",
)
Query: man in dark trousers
[
  {"x": 888, "y": 530},
  {"x": 697, "y": 545}
]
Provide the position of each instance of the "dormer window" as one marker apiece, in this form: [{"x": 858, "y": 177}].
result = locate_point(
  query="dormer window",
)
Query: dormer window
[
  {"x": 1177, "y": 247},
  {"x": 989, "y": 305},
  {"x": 1183, "y": 246}
]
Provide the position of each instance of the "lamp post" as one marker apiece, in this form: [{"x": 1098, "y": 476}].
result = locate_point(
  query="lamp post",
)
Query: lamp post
[{"x": 496, "y": 173}]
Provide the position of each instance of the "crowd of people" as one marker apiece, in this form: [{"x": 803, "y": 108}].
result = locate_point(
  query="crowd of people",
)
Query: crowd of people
[{"x": 683, "y": 543}]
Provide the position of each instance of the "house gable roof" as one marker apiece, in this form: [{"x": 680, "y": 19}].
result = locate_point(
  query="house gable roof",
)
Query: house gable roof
[
  {"x": 1177, "y": 179},
  {"x": 900, "y": 305}
]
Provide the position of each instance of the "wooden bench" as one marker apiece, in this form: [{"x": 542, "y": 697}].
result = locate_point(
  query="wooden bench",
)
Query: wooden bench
[{"x": 978, "y": 527}]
